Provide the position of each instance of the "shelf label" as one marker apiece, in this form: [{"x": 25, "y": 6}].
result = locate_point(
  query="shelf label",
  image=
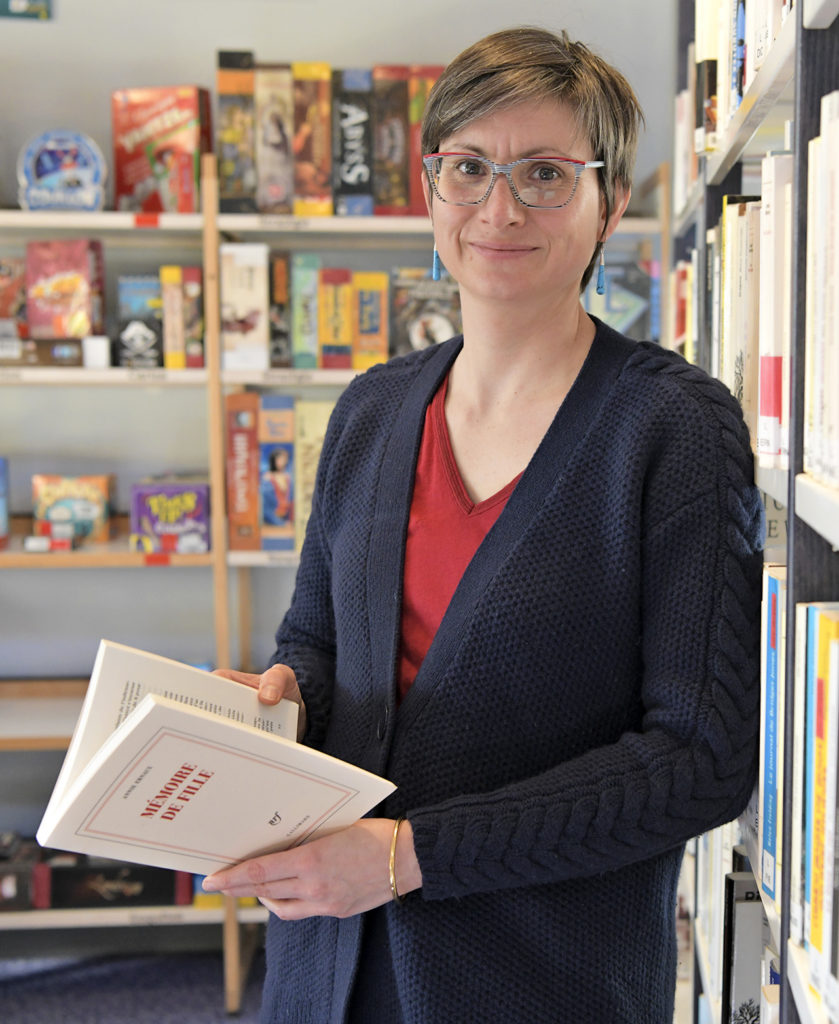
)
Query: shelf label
[
  {"x": 146, "y": 220},
  {"x": 154, "y": 374},
  {"x": 157, "y": 558}
]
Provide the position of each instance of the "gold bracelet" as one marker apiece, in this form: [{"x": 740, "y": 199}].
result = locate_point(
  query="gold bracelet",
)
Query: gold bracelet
[{"x": 392, "y": 862}]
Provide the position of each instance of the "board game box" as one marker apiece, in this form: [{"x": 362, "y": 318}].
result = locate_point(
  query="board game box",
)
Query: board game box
[
  {"x": 80, "y": 503},
  {"x": 64, "y": 288},
  {"x": 235, "y": 133},
  {"x": 352, "y": 141},
  {"x": 170, "y": 514},
  {"x": 139, "y": 341},
  {"x": 159, "y": 135},
  {"x": 274, "y": 131}
]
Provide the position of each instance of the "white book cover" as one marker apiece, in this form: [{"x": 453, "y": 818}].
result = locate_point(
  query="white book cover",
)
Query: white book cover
[
  {"x": 830, "y": 132},
  {"x": 813, "y": 336},
  {"x": 178, "y": 768},
  {"x": 245, "y": 334},
  {"x": 776, "y": 172}
]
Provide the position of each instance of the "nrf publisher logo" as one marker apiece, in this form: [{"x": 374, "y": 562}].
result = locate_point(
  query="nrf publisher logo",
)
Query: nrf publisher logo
[{"x": 276, "y": 819}]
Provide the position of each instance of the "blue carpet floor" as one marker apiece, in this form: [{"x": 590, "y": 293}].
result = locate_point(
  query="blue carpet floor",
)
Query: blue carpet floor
[{"x": 178, "y": 988}]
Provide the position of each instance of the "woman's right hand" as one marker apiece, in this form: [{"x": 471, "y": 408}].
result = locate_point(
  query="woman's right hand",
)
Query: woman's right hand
[{"x": 272, "y": 686}]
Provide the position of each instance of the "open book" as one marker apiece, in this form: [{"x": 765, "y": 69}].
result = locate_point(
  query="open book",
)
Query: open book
[{"x": 175, "y": 767}]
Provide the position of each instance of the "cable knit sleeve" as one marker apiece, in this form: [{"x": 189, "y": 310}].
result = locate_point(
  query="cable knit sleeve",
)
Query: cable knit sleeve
[{"x": 685, "y": 758}]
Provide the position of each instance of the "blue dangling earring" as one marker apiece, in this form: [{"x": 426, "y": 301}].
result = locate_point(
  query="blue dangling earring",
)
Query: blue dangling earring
[
  {"x": 436, "y": 265},
  {"x": 600, "y": 288}
]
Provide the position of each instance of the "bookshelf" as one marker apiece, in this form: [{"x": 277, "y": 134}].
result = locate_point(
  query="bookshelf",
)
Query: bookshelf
[
  {"x": 37, "y": 714},
  {"x": 800, "y": 66}
]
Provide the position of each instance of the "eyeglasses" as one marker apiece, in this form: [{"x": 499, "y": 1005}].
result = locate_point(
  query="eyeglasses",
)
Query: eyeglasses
[{"x": 545, "y": 182}]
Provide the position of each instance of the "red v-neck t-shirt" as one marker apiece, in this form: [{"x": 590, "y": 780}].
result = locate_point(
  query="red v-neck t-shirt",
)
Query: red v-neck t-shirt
[{"x": 445, "y": 530}]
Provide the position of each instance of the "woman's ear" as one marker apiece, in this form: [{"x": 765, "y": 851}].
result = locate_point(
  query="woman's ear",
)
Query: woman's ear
[
  {"x": 622, "y": 197},
  {"x": 426, "y": 190}
]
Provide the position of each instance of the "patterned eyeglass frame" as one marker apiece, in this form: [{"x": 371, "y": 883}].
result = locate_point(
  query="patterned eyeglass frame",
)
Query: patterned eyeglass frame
[{"x": 507, "y": 170}]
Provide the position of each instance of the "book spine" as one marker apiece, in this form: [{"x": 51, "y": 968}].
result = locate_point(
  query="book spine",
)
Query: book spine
[
  {"x": 274, "y": 119},
  {"x": 391, "y": 172},
  {"x": 244, "y": 306},
  {"x": 352, "y": 142},
  {"x": 310, "y": 423},
  {"x": 276, "y": 471},
  {"x": 312, "y": 138},
  {"x": 335, "y": 318},
  {"x": 769, "y": 746},
  {"x": 305, "y": 275},
  {"x": 172, "y": 297},
  {"x": 193, "y": 307},
  {"x": 242, "y": 471},
  {"x": 235, "y": 132},
  {"x": 420, "y": 82},
  {"x": 371, "y": 318},
  {"x": 279, "y": 309}
]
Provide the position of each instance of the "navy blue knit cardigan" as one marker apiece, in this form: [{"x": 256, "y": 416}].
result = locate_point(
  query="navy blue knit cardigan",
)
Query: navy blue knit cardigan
[{"x": 589, "y": 703}]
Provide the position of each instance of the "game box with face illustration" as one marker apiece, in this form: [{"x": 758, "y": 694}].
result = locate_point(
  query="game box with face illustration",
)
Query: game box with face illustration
[{"x": 159, "y": 135}]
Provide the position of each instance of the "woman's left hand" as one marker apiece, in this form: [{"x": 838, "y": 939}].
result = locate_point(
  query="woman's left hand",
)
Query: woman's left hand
[{"x": 338, "y": 875}]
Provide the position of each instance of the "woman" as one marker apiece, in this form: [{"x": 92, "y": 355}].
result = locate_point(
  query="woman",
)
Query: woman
[{"x": 529, "y": 596}]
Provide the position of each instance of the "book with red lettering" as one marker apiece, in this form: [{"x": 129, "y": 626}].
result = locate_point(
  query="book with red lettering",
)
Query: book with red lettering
[{"x": 175, "y": 767}]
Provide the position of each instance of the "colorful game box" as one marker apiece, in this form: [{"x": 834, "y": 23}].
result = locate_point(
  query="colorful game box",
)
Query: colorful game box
[
  {"x": 235, "y": 138},
  {"x": 279, "y": 308},
  {"x": 352, "y": 142},
  {"x": 371, "y": 321},
  {"x": 241, "y": 409},
  {"x": 64, "y": 288},
  {"x": 159, "y": 136},
  {"x": 312, "y": 138},
  {"x": 274, "y": 112},
  {"x": 170, "y": 514},
  {"x": 335, "y": 318},
  {"x": 139, "y": 341},
  {"x": 12, "y": 297},
  {"x": 423, "y": 312},
  {"x": 81, "y": 502},
  {"x": 193, "y": 288},
  {"x": 245, "y": 335},
  {"x": 60, "y": 170},
  {"x": 276, "y": 471},
  {"x": 420, "y": 82},
  {"x": 391, "y": 148},
  {"x": 172, "y": 308},
  {"x": 305, "y": 281}
]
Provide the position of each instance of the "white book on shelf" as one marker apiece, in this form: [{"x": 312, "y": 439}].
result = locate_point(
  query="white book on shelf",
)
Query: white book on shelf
[
  {"x": 830, "y": 133},
  {"x": 786, "y": 326},
  {"x": 814, "y": 312},
  {"x": 776, "y": 171}
]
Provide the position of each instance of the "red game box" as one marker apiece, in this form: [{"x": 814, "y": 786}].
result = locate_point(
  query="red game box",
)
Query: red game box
[
  {"x": 64, "y": 288},
  {"x": 13, "y": 297},
  {"x": 159, "y": 136}
]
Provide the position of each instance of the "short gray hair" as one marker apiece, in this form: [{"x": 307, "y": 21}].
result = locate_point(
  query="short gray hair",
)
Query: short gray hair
[{"x": 524, "y": 64}]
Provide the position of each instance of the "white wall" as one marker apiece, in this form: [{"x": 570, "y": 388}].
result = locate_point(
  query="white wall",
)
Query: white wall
[{"x": 59, "y": 74}]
